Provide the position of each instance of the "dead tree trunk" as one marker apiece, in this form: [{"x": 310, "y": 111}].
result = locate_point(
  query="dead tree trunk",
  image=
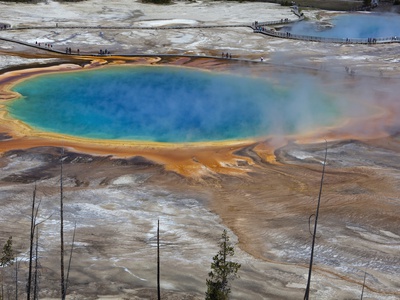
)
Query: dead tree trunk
[
  {"x": 34, "y": 225},
  {"x": 62, "y": 279},
  {"x": 16, "y": 278},
  {"x": 32, "y": 234},
  {"x": 158, "y": 261},
  {"x": 70, "y": 260},
  {"x": 362, "y": 291},
  {"x": 35, "y": 278},
  {"x": 307, "y": 293}
]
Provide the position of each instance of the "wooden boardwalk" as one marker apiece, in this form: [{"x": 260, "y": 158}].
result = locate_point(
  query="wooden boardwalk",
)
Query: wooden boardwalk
[{"x": 265, "y": 28}]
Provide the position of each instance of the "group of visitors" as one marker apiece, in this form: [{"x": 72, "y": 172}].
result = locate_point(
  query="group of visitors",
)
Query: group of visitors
[
  {"x": 68, "y": 50},
  {"x": 104, "y": 52},
  {"x": 226, "y": 55},
  {"x": 46, "y": 45}
]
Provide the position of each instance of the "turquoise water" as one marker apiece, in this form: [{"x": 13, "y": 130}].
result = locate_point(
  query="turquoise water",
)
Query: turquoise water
[
  {"x": 167, "y": 104},
  {"x": 353, "y": 26}
]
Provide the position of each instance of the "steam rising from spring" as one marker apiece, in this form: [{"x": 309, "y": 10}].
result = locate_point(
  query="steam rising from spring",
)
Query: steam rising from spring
[{"x": 170, "y": 104}]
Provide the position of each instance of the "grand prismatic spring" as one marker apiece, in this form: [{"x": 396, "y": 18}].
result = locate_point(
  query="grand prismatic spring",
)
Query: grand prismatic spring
[
  {"x": 167, "y": 104},
  {"x": 202, "y": 144}
]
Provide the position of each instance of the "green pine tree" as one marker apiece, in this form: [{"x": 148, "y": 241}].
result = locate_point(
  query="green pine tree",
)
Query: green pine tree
[
  {"x": 7, "y": 256},
  {"x": 222, "y": 271}
]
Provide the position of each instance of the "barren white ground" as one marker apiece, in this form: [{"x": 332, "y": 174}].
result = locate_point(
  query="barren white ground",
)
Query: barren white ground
[{"x": 240, "y": 42}]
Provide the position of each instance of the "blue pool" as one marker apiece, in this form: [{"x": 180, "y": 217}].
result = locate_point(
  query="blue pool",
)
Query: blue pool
[
  {"x": 168, "y": 104},
  {"x": 352, "y": 26}
]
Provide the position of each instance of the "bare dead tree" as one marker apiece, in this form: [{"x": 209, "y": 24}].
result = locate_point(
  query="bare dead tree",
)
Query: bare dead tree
[
  {"x": 34, "y": 214},
  {"x": 35, "y": 277},
  {"x": 70, "y": 259},
  {"x": 34, "y": 226},
  {"x": 62, "y": 279},
  {"x": 16, "y": 277},
  {"x": 307, "y": 293},
  {"x": 17, "y": 264},
  {"x": 158, "y": 261},
  {"x": 362, "y": 291}
]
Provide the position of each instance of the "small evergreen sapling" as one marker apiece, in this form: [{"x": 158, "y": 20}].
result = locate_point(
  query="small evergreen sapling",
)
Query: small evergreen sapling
[
  {"x": 7, "y": 256},
  {"x": 222, "y": 271}
]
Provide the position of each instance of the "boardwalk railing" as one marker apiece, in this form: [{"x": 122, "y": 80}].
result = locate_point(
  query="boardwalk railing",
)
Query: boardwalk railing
[
  {"x": 259, "y": 27},
  {"x": 288, "y": 35},
  {"x": 127, "y": 27}
]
